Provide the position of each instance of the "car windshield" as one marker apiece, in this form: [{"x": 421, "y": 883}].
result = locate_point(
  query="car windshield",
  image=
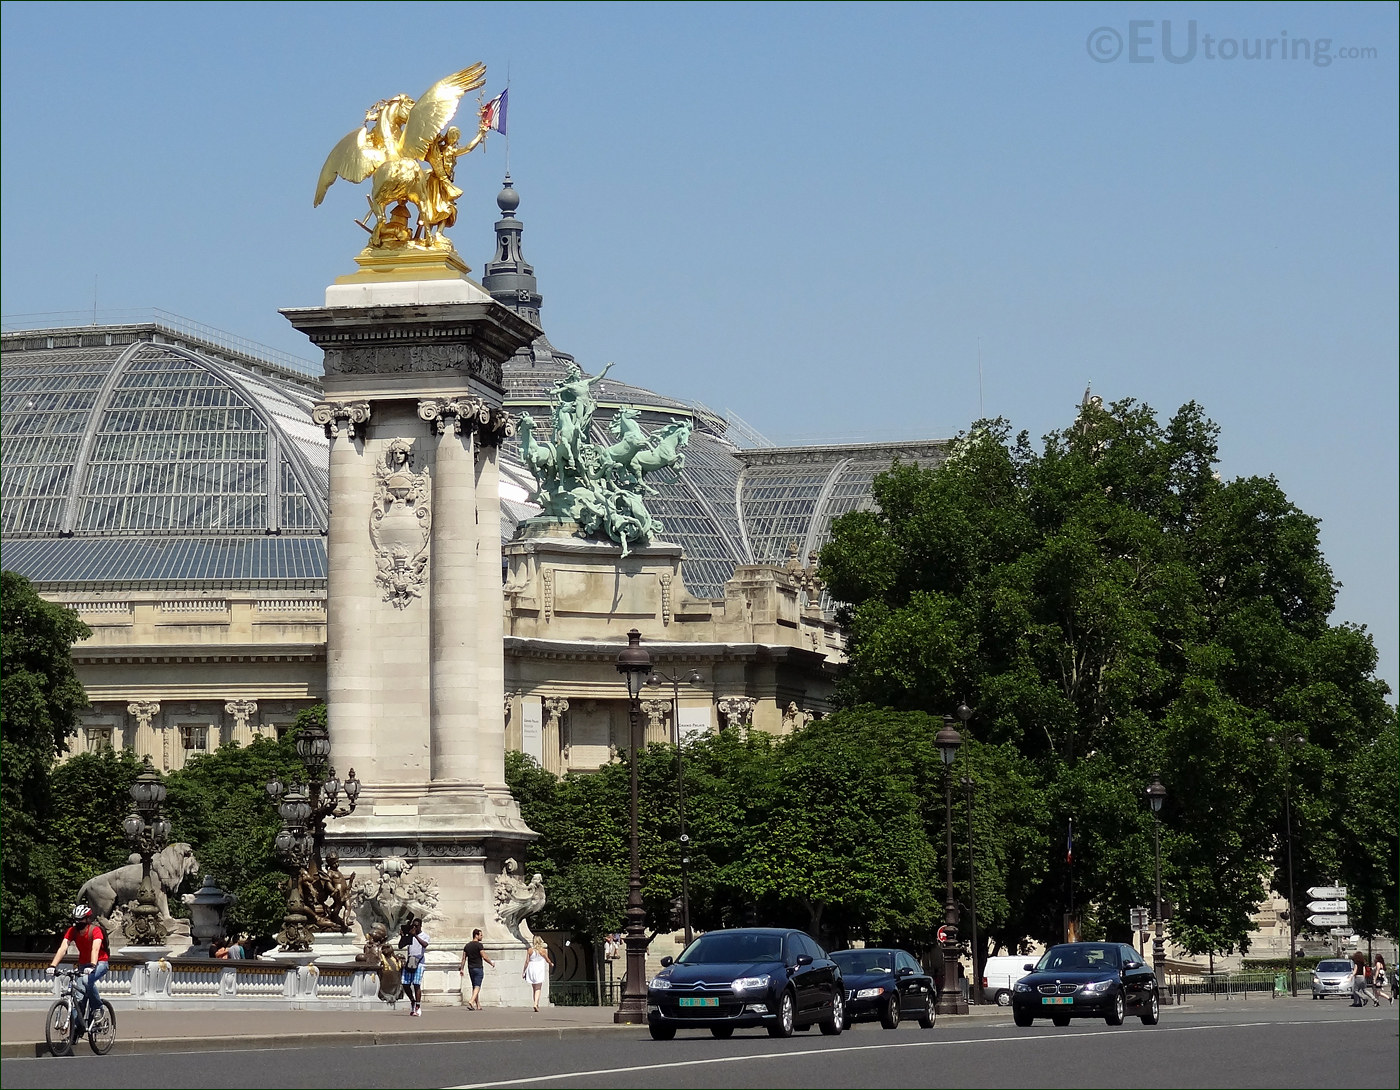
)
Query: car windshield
[
  {"x": 864, "y": 961},
  {"x": 733, "y": 946},
  {"x": 1334, "y": 966},
  {"x": 1079, "y": 957}
]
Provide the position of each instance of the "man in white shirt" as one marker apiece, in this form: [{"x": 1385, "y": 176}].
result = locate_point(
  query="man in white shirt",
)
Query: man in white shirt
[{"x": 414, "y": 942}]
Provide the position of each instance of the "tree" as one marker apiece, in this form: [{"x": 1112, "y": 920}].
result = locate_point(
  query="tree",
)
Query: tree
[
  {"x": 1115, "y": 611},
  {"x": 40, "y": 702}
]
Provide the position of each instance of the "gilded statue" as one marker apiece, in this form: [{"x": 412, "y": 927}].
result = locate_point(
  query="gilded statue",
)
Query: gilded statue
[{"x": 409, "y": 151}]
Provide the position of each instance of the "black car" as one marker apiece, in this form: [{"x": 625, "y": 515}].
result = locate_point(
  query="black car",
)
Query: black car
[
  {"x": 751, "y": 976},
  {"x": 888, "y": 985},
  {"x": 1086, "y": 980}
]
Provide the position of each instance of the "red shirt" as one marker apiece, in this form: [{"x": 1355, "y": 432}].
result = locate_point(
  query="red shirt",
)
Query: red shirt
[{"x": 88, "y": 940}]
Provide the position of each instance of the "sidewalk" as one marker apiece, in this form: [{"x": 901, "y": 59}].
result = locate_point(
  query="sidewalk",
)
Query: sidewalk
[{"x": 212, "y": 1027}]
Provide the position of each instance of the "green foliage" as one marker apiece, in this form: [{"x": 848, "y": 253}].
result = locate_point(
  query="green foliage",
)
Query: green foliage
[
  {"x": 1114, "y": 610},
  {"x": 40, "y": 701},
  {"x": 219, "y": 804}
]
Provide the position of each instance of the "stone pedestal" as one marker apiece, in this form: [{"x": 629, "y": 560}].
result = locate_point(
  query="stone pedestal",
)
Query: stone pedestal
[{"x": 414, "y": 674}]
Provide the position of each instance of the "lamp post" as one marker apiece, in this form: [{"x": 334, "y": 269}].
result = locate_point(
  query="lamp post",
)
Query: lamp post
[
  {"x": 313, "y": 902},
  {"x": 950, "y": 1000},
  {"x": 656, "y": 678},
  {"x": 147, "y": 831},
  {"x": 634, "y": 664},
  {"x": 964, "y": 713},
  {"x": 1156, "y": 795},
  {"x": 1287, "y": 745}
]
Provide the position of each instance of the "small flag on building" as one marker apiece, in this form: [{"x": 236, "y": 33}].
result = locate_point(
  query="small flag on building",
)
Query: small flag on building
[
  {"x": 1069, "y": 843},
  {"x": 493, "y": 114}
]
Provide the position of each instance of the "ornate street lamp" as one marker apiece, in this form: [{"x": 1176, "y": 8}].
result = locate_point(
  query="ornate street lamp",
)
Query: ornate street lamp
[
  {"x": 950, "y": 1000},
  {"x": 1156, "y": 795},
  {"x": 316, "y": 901},
  {"x": 693, "y": 678},
  {"x": 1287, "y": 745},
  {"x": 964, "y": 713},
  {"x": 147, "y": 831},
  {"x": 634, "y": 664}
]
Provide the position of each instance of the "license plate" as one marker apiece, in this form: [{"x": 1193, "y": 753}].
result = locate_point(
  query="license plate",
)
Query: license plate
[
  {"x": 1057, "y": 1000},
  {"x": 699, "y": 1001}
]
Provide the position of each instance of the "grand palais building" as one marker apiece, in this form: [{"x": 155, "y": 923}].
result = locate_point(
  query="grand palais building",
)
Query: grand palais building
[{"x": 166, "y": 482}]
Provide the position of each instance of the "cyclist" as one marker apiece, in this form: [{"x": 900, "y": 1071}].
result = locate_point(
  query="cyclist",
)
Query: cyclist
[{"x": 90, "y": 940}]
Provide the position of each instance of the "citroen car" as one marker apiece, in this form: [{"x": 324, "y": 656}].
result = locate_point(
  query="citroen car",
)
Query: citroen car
[
  {"x": 886, "y": 986},
  {"x": 1086, "y": 980},
  {"x": 747, "y": 977}
]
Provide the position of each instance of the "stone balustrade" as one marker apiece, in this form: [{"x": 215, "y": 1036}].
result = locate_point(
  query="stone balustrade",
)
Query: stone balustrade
[{"x": 196, "y": 981}]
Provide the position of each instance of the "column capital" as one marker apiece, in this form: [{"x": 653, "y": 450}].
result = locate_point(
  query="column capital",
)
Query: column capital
[
  {"x": 332, "y": 414},
  {"x": 472, "y": 413}
]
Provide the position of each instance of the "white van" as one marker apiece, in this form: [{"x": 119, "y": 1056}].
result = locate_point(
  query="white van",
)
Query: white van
[{"x": 999, "y": 974}]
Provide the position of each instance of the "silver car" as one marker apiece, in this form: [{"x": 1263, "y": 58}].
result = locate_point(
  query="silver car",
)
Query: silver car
[{"x": 1332, "y": 977}]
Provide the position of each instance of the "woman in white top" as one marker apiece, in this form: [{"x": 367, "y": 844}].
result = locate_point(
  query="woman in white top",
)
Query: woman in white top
[{"x": 537, "y": 966}]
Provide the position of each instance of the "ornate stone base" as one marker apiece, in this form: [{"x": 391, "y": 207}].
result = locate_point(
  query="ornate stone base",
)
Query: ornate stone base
[{"x": 411, "y": 262}]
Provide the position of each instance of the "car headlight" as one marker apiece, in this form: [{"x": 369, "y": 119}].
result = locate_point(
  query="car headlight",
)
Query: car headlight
[
  {"x": 869, "y": 993},
  {"x": 750, "y": 983},
  {"x": 1098, "y": 985},
  {"x": 1022, "y": 987},
  {"x": 660, "y": 984}
]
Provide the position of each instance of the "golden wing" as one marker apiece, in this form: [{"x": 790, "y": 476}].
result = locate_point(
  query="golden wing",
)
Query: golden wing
[
  {"x": 436, "y": 107},
  {"x": 353, "y": 159}
]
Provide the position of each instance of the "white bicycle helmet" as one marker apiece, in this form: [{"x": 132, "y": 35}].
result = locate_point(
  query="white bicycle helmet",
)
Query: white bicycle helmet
[{"x": 81, "y": 912}]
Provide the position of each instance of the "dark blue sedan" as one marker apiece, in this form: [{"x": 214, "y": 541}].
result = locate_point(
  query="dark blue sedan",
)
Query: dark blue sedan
[{"x": 885, "y": 985}]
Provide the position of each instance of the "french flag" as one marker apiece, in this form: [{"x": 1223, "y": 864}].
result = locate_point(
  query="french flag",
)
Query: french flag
[{"x": 493, "y": 114}]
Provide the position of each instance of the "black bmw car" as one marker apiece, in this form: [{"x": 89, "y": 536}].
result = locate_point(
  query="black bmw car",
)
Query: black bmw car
[
  {"x": 888, "y": 985},
  {"x": 1086, "y": 980},
  {"x": 747, "y": 977}
]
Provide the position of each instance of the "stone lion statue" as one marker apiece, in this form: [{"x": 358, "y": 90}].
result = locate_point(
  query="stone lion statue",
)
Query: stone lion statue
[{"x": 115, "y": 889}]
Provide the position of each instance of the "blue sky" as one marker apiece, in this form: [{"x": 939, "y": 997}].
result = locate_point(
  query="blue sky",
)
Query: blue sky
[{"x": 808, "y": 214}]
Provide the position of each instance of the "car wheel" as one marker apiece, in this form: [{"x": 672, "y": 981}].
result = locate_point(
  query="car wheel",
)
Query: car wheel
[
  {"x": 929, "y": 1015},
  {"x": 1060, "y": 1020},
  {"x": 835, "y": 1022},
  {"x": 722, "y": 1032},
  {"x": 783, "y": 1026},
  {"x": 1023, "y": 1018},
  {"x": 889, "y": 1013},
  {"x": 1003, "y": 998},
  {"x": 1115, "y": 1016},
  {"x": 662, "y": 1033},
  {"x": 1153, "y": 1011}
]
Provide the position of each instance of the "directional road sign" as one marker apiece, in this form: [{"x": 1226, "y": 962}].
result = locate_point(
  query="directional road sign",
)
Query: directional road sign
[
  {"x": 1327, "y": 891},
  {"x": 1327, "y": 921},
  {"x": 1341, "y": 932},
  {"x": 1327, "y": 906}
]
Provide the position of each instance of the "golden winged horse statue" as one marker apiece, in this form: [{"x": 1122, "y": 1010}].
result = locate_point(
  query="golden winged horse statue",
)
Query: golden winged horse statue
[{"x": 398, "y": 137}]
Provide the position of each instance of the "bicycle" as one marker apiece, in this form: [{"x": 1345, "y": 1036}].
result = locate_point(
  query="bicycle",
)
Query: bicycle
[{"x": 63, "y": 1027}]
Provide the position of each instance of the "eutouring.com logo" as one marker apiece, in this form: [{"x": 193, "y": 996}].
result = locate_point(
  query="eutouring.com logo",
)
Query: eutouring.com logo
[{"x": 1148, "y": 40}]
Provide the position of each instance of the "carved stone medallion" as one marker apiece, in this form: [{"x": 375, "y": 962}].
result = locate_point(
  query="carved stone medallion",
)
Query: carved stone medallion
[{"x": 399, "y": 524}]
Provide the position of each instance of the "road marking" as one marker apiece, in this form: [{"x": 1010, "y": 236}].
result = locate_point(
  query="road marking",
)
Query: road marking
[{"x": 1116, "y": 1031}]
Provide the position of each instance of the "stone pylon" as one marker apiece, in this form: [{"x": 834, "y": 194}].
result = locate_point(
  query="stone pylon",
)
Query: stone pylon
[{"x": 414, "y": 661}]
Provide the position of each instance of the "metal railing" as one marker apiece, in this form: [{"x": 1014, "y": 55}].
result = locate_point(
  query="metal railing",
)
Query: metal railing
[
  {"x": 584, "y": 993},
  {"x": 1228, "y": 985}
]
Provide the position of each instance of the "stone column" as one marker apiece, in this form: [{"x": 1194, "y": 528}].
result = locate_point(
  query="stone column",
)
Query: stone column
[
  {"x": 351, "y": 593},
  {"x": 556, "y": 743},
  {"x": 489, "y": 622},
  {"x": 656, "y": 712},
  {"x": 453, "y": 595},
  {"x": 241, "y": 712},
  {"x": 144, "y": 740}
]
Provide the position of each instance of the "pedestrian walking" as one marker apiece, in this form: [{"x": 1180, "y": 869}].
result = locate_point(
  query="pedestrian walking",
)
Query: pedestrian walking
[
  {"x": 414, "y": 942},
  {"x": 1358, "y": 979},
  {"x": 473, "y": 954},
  {"x": 1381, "y": 984},
  {"x": 537, "y": 966}
]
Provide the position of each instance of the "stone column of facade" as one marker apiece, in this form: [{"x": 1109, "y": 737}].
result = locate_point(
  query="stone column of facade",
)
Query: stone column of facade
[
  {"x": 350, "y": 587},
  {"x": 241, "y": 712},
  {"x": 454, "y": 658},
  {"x": 144, "y": 738},
  {"x": 657, "y": 728},
  {"x": 555, "y": 747}
]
